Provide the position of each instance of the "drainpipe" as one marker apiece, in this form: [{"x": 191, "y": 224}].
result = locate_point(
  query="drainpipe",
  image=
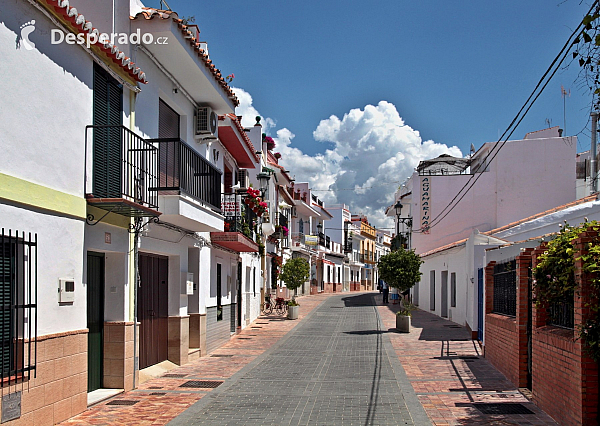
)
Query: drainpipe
[
  {"x": 593, "y": 162},
  {"x": 134, "y": 278}
]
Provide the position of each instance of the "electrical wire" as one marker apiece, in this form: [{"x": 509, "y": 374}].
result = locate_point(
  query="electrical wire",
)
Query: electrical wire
[{"x": 558, "y": 60}]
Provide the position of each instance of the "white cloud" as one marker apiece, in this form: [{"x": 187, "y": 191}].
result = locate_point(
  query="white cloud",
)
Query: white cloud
[
  {"x": 249, "y": 113},
  {"x": 373, "y": 152}
]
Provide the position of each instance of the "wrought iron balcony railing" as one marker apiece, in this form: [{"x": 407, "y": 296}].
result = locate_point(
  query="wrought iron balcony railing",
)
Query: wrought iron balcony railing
[
  {"x": 181, "y": 170},
  {"x": 124, "y": 171},
  {"x": 238, "y": 216}
]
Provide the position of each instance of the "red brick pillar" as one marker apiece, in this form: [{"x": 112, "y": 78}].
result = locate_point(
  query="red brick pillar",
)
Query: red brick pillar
[
  {"x": 489, "y": 287},
  {"x": 587, "y": 371},
  {"x": 523, "y": 264},
  {"x": 539, "y": 314}
]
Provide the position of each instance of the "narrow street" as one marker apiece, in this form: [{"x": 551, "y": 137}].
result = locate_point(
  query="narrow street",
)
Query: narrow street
[
  {"x": 337, "y": 367},
  {"x": 341, "y": 363}
]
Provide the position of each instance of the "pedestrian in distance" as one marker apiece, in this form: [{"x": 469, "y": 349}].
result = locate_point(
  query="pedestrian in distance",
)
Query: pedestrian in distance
[
  {"x": 395, "y": 296},
  {"x": 385, "y": 290}
]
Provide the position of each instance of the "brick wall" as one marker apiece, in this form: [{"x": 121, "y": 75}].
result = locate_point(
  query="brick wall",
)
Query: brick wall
[
  {"x": 59, "y": 390},
  {"x": 564, "y": 379},
  {"x": 560, "y": 362},
  {"x": 505, "y": 336}
]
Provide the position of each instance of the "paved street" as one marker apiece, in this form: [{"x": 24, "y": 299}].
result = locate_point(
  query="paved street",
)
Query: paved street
[
  {"x": 337, "y": 367},
  {"x": 341, "y": 363}
]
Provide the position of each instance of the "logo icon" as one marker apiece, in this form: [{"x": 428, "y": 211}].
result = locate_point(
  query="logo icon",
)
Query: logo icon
[{"x": 26, "y": 29}]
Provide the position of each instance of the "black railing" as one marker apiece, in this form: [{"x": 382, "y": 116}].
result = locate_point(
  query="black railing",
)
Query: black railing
[
  {"x": 321, "y": 239},
  {"x": 562, "y": 314},
  {"x": 18, "y": 306},
  {"x": 124, "y": 165},
  {"x": 238, "y": 216},
  {"x": 505, "y": 288},
  {"x": 183, "y": 170}
]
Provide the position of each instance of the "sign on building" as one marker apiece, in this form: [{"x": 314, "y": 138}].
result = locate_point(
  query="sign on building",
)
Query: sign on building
[
  {"x": 425, "y": 204},
  {"x": 230, "y": 205},
  {"x": 311, "y": 240}
]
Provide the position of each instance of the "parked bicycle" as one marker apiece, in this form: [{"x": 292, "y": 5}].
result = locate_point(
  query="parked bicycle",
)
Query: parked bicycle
[
  {"x": 279, "y": 305},
  {"x": 267, "y": 307}
]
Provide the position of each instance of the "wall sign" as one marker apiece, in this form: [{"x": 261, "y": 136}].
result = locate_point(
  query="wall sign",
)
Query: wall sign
[{"x": 425, "y": 204}]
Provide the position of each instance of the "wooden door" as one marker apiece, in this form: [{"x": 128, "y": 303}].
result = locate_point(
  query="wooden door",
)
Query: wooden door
[
  {"x": 153, "y": 309},
  {"x": 95, "y": 319}
]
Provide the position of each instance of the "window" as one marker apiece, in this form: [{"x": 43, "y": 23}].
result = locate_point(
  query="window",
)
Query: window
[
  {"x": 453, "y": 289},
  {"x": 432, "y": 290},
  {"x": 219, "y": 295},
  {"x": 18, "y": 306},
  {"x": 339, "y": 275}
]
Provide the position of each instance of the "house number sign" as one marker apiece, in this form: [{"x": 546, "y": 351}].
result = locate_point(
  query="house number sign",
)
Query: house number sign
[{"x": 11, "y": 406}]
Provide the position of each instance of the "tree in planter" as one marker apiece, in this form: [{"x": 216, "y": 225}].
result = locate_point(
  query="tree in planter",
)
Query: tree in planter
[
  {"x": 295, "y": 273},
  {"x": 400, "y": 269}
]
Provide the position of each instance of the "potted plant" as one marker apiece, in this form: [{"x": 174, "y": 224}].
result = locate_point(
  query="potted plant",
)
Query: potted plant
[
  {"x": 295, "y": 273},
  {"x": 403, "y": 317},
  {"x": 400, "y": 269}
]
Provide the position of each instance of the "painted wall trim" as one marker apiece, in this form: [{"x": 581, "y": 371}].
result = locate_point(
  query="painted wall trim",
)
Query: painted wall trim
[{"x": 31, "y": 194}]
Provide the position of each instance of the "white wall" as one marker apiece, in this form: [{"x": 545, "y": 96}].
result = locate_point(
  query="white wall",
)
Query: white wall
[
  {"x": 59, "y": 255},
  {"x": 527, "y": 177},
  {"x": 45, "y": 103}
]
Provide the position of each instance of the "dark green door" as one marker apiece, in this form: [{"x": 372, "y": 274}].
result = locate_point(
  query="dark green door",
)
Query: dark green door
[
  {"x": 95, "y": 318},
  {"x": 108, "y": 107}
]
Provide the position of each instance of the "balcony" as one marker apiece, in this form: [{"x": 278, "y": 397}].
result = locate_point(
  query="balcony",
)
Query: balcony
[
  {"x": 240, "y": 224},
  {"x": 367, "y": 257},
  {"x": 189, "y": 186},
  {"x": 123, "y": 171}
]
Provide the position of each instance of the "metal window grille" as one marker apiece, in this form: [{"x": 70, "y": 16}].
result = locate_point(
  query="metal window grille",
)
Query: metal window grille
[
  {"x": 562, "y": 314},
  {"x": 505, "y": 288},
  {"x": 18, "y": 306}
]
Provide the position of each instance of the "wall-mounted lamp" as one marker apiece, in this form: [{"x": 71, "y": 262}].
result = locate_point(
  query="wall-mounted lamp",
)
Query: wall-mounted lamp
[
  {"x": 215, "y": 154},
  {"x": 175, "y": 90}
]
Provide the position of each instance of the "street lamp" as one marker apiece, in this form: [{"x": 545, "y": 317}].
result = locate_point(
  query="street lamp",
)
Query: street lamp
[
  {"x": 319, "y": 228},
  {"x": 263, "y": 180},
  {"x": 405, "y": 220}
]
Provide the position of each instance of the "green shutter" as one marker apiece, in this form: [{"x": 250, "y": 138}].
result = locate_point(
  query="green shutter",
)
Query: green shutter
[
  {"x": 108, "y": 107},
  {"x": 7, "y": 277}
]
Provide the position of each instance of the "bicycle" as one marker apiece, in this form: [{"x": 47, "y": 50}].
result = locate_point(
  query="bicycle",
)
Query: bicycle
[
  {"x": 281, "y": 306},
  {"x": 267, "y": 306}
]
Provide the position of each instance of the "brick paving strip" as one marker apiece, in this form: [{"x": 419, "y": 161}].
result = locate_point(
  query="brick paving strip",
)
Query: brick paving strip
[
  {"x": 159, "y": 400},
  {"x": 450, "y": 375}
]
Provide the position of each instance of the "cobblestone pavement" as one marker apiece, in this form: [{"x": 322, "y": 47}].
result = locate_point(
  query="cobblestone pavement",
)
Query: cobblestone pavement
[
  {"x": 452, "y": 379},
  {"x": 336, "y": 368}
]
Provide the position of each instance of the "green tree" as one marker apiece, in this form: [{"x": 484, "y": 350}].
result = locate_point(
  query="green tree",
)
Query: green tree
[
  {"x": 295, "y": 273},
  {"x": 400, "y": 269}
]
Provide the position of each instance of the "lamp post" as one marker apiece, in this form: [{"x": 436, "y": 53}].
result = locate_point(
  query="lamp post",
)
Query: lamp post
[
  {"x": 263, "y": 180},
  {"x": 405, "y": 220}
]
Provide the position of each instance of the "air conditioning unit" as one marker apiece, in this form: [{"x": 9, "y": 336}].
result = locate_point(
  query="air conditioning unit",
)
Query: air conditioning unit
[
  {"x": 294, "y": 212},
  {"x": 243, "y": 178},
  {"x": 207, "y": 123}
]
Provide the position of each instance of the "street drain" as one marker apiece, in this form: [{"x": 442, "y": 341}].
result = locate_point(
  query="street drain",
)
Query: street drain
[
  {"x": 122, "y": 402},
  {"x": 158, "y": 393},
  {"x": 222, "y": 355},
  {"x": 498, "y": 408},
  {"x": 155, "y": 387},
  {"x": 175, "y": 376},
  {"x": 262, "y": 322},
  {"x": 245, "y": 338},
  {"x": 201, "y": 384}
]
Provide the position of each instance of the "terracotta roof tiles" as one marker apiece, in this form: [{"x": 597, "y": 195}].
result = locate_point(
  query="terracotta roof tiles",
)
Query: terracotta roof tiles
[
  {"x": 80, "y": 25},
  {"x": 151, "y": 13}
]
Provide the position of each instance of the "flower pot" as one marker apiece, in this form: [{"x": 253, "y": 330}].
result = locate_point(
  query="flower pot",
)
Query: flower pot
[
  {"x": 403, "y": 323},
  {"x": 293, "y": 312}
]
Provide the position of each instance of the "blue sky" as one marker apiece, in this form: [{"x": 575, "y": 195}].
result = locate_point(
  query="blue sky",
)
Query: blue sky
[{"x": 455, "y": 72}]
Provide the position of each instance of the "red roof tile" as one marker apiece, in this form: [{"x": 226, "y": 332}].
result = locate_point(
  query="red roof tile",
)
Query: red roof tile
[
  {"x": 80, "y": 25},
  {"x": 151, "y": 13}
]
